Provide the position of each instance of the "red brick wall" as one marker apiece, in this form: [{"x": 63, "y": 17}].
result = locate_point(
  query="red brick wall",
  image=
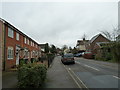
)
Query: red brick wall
[
  {"x": 99, "y": 39},
  {"x": 12, "y": 42}
]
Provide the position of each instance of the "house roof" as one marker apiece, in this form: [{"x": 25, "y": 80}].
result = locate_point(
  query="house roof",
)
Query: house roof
[
  {"x": 42, "y": 45},
  {"x": 15, "y": 29},
  {"x": 81, "y": 42},
  {"x": 95, "y": 37}
]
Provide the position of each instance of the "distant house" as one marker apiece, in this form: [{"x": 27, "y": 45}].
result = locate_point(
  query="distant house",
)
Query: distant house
[
  {"x": 42, "y": 47},
  {"x": 94, "y": 42},
  {"x": 81, "y": 45}
]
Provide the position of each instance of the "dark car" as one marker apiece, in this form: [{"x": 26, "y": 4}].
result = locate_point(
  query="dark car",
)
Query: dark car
[
  {"x": 78, "y": 55},
  {"x": 88, "y": 55},
  {"x": 68, "y": 58}
]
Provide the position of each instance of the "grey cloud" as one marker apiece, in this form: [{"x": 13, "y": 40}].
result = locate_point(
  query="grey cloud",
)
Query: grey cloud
[{"x": 61, "y": 23}]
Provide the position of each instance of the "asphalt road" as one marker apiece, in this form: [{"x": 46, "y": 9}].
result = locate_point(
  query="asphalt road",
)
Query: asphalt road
[
  {"x": 85, "y": 73},
  {"x": 95, "y": 74}
]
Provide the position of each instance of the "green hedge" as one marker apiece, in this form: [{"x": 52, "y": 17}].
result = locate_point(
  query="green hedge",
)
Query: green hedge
[{"x": 31, "y": 76}]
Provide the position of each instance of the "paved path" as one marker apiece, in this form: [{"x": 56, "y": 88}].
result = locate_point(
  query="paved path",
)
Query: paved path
[
  {"x": 58, "y": 77},
  {"x": 9, "y": 79}
]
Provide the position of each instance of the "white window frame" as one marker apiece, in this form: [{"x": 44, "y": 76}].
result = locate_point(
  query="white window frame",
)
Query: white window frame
[
  {"x": 10, "y": 33},
  {"x": 25, "y": 40},
  {"x": 28, "y": 41},
  {"x": 10, "y": 53},
  {"x": 17, "y": 36},
  {"x": 31, "y": 43}
]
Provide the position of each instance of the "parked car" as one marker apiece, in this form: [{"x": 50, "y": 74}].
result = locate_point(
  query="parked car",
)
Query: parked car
[
  {"x": 68, "y": 58},
  {"x": 88, "y": 55},
  {"x": 78, "y": 55},
  {"x": 83, "y": 53}
]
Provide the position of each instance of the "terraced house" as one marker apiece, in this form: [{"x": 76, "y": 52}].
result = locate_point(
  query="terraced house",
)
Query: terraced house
[{"x": 16, "y": 45}]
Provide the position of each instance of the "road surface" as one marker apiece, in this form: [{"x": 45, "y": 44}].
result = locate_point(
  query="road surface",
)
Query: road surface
[{"x": 85, "y": 73}]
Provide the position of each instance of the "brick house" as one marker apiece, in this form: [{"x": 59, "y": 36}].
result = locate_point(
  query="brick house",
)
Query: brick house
[
  {"x": 92, "y": 45},
  {"x": 17, "y": 46}
]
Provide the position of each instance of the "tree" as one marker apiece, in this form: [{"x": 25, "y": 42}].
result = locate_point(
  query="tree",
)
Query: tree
[
  {"x": 74, "y": 50},
  {"x": 113, "y": 46},
  {"x": 113, "y": 34},
  {"x": 64, "y": 47},
  {"x": 70, "y": 48},
  {"x": 53, "y": 49},
  {"x": 46, "y": 48}
]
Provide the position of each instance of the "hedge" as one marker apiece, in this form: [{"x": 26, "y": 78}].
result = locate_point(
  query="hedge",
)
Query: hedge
[{"x": 31, "y": 76}]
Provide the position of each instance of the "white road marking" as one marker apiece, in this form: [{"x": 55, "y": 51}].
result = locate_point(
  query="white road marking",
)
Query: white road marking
[
  {"x": 116, "y": 77},
  {"x": 72, "y": 77},
  {"x": 78, "y": 62},
  {"x": 79, "y": 79},
  {"x": 69, "y": 68},
  {"x": 91, "y": 67},
  {"x": 88, "y": 66}
]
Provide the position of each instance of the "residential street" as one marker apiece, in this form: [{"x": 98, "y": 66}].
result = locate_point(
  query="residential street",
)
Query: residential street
[{"x": 86, "y": 73}]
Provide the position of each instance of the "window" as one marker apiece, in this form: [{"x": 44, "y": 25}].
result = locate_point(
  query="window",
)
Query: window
[
  {"x": 10, "y": 53},
  {"x": 17, "y": 36},
  {"x": 28, "y": 41},
  {"x": 25, "y": 40},
  {"x": 31, "y": 43},
  {"x": 10, "y": 32}
]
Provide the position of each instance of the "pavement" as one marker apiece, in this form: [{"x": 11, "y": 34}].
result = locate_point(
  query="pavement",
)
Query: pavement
[
  {"x": 58, "y": 77},
  {"x": 9, "y": 79}
]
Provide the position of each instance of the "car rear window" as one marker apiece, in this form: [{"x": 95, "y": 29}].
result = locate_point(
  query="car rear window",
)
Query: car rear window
[
  {"x": 87, "y": 52},
  {"x": 68, "y": 56}
]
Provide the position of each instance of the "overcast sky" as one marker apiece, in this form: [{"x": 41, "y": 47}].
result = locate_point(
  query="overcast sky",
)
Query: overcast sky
[{"x": 61, "y": 23}]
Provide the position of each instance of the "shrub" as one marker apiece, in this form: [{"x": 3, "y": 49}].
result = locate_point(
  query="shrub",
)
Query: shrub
[
  {"x": 22, "y": 61},
  {"x": 31, "y": 76},
  {"x": 33, "y": 60}
]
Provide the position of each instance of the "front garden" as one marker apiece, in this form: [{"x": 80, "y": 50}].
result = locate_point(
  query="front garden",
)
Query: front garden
[
  {"x": 32, "y": 74},
  {"x": 110, "y": 52}
]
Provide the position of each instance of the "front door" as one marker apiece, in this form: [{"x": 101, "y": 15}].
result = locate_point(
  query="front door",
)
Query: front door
[
  {"x": 17, "y": 59},
  {"x": 17, "y": 55}
]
